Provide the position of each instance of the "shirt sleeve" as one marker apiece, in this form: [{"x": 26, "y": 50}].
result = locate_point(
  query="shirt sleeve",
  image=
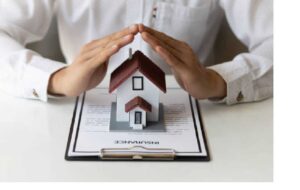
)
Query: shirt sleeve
[
  {"x": 24, "y": 73},
  {"x": 249, "y": 76}
]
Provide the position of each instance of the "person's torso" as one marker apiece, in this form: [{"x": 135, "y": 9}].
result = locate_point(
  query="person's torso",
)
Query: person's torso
[{"x": 193, "y": 21}]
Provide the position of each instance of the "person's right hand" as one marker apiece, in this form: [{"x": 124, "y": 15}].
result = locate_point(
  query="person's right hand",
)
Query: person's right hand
[{"x": 90, "y": 66}]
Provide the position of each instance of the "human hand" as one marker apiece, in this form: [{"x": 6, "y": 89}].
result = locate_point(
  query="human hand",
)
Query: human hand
[
  {"x": 193, "y": 77},
  {"x": 90, "y": 66}
]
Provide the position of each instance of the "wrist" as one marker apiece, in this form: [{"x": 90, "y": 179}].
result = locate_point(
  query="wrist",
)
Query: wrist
[
  {"x": 54, "y": 85},
  {"x": 218, "y": 84}
]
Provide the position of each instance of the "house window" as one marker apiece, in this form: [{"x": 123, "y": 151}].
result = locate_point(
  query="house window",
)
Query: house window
[
  {"x": 137, "y": 83},
  {"x": 137, "y": 117}
]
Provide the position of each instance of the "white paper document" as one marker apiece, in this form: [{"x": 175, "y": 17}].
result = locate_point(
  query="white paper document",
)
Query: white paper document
[{"x": 90, "y": 127}]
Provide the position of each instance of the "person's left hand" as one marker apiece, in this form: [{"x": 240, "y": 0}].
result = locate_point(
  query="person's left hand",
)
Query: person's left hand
[{"x": 198, "y": 81}]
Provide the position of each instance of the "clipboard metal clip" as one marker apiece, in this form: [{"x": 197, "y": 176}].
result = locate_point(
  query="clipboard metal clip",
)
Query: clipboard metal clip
[{"x": 137, "y": 153}]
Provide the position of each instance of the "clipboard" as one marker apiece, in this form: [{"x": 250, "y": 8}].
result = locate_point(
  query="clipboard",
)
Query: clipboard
[{"x": 137, "y": 152}]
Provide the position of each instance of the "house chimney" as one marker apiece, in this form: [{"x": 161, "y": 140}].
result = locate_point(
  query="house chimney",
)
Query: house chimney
[{"x": 130, "y": 53}]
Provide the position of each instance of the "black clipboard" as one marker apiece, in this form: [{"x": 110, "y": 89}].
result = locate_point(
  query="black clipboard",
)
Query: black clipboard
[{"x": 137, "y": 153}]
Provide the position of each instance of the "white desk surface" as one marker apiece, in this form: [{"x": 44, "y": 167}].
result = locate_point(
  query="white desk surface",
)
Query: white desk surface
[{"x": 33, "y": 139}]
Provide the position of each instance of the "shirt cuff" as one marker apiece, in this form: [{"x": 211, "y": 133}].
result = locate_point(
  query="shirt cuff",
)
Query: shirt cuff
[
  {"x": 37, "y": 75},
  {"x": 238, "y": 79}
]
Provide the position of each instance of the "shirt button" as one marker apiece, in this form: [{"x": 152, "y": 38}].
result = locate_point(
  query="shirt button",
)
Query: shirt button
[
  {"x": 35, "y": 93},
  {"x": 154, "y": 11},
  {"x": 240, "y": 97}
]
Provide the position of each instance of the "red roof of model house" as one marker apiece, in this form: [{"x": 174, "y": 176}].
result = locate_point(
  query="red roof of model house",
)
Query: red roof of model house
[
  {"x": 138, "y": 102},
  {"x": 138, "y": 62}
]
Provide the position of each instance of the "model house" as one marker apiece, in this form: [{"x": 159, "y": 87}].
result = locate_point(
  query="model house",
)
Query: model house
[{"x": 137, "y": 82}]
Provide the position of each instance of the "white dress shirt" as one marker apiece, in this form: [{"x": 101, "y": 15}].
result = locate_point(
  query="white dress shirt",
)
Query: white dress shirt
[{"x": 24, "y": 73}]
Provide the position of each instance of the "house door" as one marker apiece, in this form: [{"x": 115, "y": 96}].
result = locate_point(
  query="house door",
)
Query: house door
[{"x": 137, "y": 117}]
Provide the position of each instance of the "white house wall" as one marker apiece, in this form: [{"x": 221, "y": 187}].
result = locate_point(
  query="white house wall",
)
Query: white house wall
[{"x": 125, "y": 94}]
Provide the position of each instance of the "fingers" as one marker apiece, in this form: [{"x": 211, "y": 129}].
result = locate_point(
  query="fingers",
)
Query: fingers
[
  {"x": 154, "y": 43},
  {"x": 125, "y": 40},
  {"x": 132, "y": 30},
  {"x": 116, "y": 44},
  {"x": 180, "y": 50},
  {"x": 169, "y": 58},
  {"x": 103, "y": 56},
  {"x": 119, "y": 43},
  {"x": 161, "y": 36}
]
